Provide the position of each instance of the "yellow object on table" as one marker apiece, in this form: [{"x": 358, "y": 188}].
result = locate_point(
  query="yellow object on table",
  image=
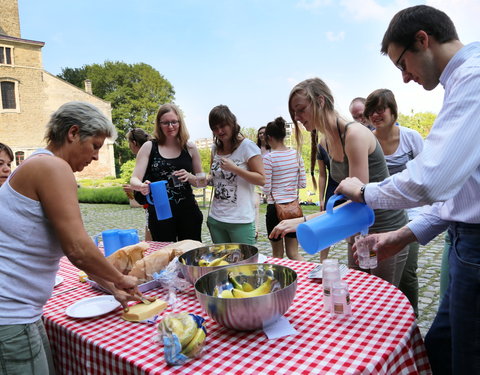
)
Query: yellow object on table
[
  {"x": 82, "y": 277},
  {"x": 142, "y": 311}
]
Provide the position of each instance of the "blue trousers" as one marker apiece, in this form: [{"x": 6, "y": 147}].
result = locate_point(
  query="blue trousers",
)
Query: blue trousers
[{"x": 453, "y": 341}]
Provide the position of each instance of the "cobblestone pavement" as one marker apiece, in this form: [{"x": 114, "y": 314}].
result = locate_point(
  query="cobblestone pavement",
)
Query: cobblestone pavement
[{"x": 99, "y": 217}]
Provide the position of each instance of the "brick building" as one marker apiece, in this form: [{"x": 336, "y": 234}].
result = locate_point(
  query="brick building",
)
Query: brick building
[{"x": 29, "y": 95}]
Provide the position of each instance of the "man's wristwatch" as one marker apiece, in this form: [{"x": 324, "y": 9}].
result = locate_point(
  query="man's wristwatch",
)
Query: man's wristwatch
[{"x": 362, "y": 192}]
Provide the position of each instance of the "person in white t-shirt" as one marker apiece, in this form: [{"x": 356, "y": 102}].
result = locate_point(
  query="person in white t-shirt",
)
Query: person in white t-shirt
[
  {"x": 236, "y": 167},
  {"x": 400, "y": 145}
]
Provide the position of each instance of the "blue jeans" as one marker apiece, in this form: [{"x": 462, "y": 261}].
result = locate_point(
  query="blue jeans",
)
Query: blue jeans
[{"x": 453, "y": 341}]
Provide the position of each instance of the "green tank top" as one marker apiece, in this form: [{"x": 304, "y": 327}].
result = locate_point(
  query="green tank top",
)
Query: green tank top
[{"x": 385, "y": 220}]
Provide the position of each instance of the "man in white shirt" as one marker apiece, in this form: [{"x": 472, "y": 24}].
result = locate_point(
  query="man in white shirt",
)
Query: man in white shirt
[{"x": 422, "y": 42}]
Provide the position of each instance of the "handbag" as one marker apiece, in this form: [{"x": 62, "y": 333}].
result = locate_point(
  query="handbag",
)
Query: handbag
[{"x": 290, "y": 210}]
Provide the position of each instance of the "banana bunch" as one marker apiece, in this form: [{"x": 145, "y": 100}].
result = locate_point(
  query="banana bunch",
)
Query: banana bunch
[
  {"x": 183, "y": 336},
  {"x": 214, "y": 263},
  {"x": 244, "y": 290}
]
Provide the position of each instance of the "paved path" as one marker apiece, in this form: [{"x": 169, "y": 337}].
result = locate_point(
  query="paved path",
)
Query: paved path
[{"x": 99, "y": 217}]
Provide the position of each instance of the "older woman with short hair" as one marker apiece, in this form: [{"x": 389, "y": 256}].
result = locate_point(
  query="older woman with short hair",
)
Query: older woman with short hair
[{"x": 40, "y": 197}]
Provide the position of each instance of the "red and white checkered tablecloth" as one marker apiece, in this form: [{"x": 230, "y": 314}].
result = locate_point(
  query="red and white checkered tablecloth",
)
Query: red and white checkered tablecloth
[{"x": 381, "y": 336}]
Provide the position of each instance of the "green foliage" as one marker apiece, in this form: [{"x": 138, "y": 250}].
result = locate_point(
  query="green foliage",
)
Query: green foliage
[
  {"x": 126, "y": 171},
  {"x": 104, "y": 182},
  {"x": 421, "y": 122},
  {"x": 114, "y": 194},
  {"x": 250, "y": 133},
  {"x": 205, "y": 155},
  {"x": 134, "y": 90}
]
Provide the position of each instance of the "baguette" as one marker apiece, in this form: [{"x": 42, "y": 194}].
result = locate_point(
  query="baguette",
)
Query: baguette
[{"x": 123, "y": 259}]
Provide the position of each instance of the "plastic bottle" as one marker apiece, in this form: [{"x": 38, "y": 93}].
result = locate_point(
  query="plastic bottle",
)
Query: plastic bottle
[
  {"x": 341, "y": 306},
  {"x": 330, "y": 274}
]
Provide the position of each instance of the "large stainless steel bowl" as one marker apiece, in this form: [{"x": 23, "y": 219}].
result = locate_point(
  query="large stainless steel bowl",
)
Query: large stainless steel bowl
[
  {"x": 246, "y": 314},
  {"x": 237, "y": 253}
]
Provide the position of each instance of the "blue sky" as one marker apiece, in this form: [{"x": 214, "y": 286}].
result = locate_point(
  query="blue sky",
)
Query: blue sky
[{"x": 247, "y": 54}]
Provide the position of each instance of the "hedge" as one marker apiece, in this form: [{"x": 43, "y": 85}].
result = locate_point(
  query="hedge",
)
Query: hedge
[{"x": 113, "y": 194}]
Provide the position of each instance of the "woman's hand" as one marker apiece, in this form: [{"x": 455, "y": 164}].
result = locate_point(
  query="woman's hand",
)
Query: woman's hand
[
  {"x": 144, "y": 188},
  {"x": 228, "y": 165},
  {"x": 286, "y": 226},
  {"x": 184, "y": 176}
]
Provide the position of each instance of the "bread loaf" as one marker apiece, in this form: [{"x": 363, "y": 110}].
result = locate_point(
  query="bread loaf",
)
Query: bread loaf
[
  {"x": 124, "y": 258},
  {"x": 156, "y": 261}
]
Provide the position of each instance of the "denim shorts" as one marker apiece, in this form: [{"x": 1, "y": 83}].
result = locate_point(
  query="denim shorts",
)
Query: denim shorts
[{"x": 24, "y": 350}]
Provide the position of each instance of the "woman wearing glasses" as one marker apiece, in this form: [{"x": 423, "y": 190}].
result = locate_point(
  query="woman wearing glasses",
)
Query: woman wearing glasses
[
  {"x": 170, "y": 157},
  {"x": 354, "y": 151},
  {"x": 400, "y": 145},
  {"x": 236, "y": 166}
]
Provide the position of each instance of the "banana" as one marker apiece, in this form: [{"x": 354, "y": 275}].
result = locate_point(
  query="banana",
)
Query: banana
[
  {"x": 195, "y": 345},
  {"x": 247, "y": 287},
  {"x": 226, "y": 294},
  {"x": 231, "y": 247},
  {"x": 261, "y": 290},
  {"x": 223, "y": 263},
  {"x": 216, "y": 262},
  {"x": 183, "y": 326},
  {"x": 234, "y": 281}
]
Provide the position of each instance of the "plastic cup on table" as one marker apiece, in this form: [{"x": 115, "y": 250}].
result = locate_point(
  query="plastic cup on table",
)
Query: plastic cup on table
[
  {"x": 334, "y": 225},
  {"x": 158, "y": 197}
]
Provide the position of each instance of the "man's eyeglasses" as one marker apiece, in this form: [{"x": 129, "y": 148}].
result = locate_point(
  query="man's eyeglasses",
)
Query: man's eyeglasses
[
  {"x": 399, "y": 65},
  {"x": 168, "y": 123}
]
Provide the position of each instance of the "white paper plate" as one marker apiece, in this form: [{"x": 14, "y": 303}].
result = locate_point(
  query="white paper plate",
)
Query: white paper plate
[
  {"x": 58, "y": 280},
  {"x": 90, "y": 307},
  {"x": 262, "y": 258}
]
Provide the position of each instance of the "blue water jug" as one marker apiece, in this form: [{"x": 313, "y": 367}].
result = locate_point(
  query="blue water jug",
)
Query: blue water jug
[
  {"x": 158, "y": 197},
  {"x": 334, "y": 225}
]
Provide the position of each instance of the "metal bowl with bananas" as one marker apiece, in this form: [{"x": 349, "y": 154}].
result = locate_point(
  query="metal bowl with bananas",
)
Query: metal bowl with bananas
[
  {"x": 197, "y": 262},
  {"x": 247, "y": 297}
]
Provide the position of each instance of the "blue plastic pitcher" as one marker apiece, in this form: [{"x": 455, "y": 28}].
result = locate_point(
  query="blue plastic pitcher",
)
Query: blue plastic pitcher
[
  {"x": 159, "y": 199},
  {"x": 334, "y": 225}
]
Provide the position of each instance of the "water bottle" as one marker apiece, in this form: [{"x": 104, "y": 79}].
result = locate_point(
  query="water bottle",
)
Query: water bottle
[
  {"x": 330, "y": 274},
  {"x": 341, "y": 306}
]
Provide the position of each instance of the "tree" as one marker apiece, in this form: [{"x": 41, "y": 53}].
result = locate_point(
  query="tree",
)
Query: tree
[
  {"x": 421, "y": 122},
  {"x": 135, "y": 92}
]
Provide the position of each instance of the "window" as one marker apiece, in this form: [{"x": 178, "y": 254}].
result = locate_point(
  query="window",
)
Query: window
[
  {"x": 6, "y": 55},
  {"x": 8, "y": 91},
  {"x": 19, "y": 157}
]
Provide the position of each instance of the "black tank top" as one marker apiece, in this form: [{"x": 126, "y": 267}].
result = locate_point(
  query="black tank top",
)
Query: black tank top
[{"x": 161, "y": 169}]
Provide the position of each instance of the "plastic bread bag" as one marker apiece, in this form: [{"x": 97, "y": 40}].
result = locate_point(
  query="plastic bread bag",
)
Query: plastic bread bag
[
  {"x": 183, "y": 336},
  {"x": 170, "y": 280}
]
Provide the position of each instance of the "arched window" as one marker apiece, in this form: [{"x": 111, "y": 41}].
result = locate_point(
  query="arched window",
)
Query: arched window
[{"x": 9, "y": 95}]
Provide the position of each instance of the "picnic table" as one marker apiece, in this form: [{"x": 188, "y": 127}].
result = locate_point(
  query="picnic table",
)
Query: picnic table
[{"x": 380, "y": 337}]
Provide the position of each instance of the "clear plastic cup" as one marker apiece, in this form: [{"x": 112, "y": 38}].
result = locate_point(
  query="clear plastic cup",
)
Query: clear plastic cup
[
  {"x": 367, "y": 258},
  {"x": 330, "y": 274},
  {"x": 341, "y": 306},
  {"x": 201, "y": 179}
]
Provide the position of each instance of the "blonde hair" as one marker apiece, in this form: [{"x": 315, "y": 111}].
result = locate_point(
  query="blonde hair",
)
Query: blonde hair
[
  {"x": 182, "y": 135},
  {"x": 312, "y": 89}
]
